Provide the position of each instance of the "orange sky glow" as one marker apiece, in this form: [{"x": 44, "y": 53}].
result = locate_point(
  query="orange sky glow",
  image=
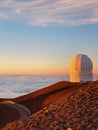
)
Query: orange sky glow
[{"x": 35, "y": 43}]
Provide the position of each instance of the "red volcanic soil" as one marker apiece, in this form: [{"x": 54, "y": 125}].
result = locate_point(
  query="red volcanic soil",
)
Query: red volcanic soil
[
  {"x": 45, "y": 96},
  {"x": 59, "y": 107}
]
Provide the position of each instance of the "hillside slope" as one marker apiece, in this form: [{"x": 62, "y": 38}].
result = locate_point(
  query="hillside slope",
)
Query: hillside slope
[{"x": 77, "y": 110}]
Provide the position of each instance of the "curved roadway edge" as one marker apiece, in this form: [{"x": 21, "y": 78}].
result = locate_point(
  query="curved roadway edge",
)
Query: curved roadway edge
[{"x": 23, "y": 111}]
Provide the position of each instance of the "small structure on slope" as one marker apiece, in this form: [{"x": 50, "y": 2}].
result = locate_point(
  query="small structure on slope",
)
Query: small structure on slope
[{"x": 81, "y": 68}]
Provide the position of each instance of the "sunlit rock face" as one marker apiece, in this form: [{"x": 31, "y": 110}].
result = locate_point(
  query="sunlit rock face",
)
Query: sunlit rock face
[{"x": 81, "y": 68}]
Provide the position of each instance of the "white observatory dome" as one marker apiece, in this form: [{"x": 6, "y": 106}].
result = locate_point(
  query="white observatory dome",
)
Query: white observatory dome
[{"x": 81, "y": 68}]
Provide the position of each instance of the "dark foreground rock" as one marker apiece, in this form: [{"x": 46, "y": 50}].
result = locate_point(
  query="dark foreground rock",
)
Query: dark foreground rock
[{"x": 77, "y": 111}]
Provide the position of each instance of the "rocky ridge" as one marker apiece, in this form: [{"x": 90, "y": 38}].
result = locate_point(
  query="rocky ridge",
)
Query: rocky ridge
[{"x": 77, "y": 111}]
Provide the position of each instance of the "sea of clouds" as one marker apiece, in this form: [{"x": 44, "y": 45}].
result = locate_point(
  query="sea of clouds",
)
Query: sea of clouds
[{"x": 14, "y": 86}]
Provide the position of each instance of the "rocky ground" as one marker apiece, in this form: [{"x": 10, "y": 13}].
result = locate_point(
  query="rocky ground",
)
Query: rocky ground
[{"x": 78, "y": 110}]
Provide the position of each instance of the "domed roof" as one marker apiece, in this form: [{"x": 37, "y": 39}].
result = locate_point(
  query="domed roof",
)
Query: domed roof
[{"x": 81, "y": 63}]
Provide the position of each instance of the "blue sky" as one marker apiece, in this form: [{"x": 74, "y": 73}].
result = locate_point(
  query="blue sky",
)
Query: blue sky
[{"x": 40, "y": 37}]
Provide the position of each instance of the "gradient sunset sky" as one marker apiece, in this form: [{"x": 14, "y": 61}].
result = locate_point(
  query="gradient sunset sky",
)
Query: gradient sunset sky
[{"x": 39, "y": 37}]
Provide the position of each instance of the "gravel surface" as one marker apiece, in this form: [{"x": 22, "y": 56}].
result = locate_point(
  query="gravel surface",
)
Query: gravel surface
[{"x": 76, "y": 111}]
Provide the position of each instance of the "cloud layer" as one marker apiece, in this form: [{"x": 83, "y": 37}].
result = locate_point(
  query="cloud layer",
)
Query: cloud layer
[{"x": 50, "y": 12}]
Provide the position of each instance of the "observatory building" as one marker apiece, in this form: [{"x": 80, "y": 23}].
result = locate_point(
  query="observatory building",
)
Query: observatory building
[{"x": 81, "y": 68}]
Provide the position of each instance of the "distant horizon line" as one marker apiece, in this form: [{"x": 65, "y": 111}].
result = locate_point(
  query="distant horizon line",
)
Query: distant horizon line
[
  {"x": 67, "y": 75},
  {"x": 32, "y": 75}
]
